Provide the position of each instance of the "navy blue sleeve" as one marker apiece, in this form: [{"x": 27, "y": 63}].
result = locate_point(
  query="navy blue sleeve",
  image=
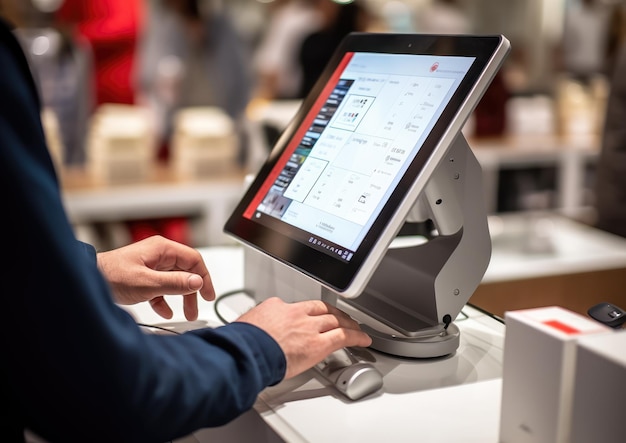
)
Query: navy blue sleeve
[
  {"x": 90, "y": 252},
  {"x": 75, "y": 366}
]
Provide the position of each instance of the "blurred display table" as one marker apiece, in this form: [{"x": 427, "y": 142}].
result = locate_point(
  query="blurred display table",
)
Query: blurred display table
[
  {"x": 543, "y": 259},
  {"x": 162, "y": 193}
]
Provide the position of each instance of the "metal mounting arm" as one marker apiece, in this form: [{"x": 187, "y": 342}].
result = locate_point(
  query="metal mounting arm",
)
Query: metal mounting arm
[{"x": 417, "y": 291}]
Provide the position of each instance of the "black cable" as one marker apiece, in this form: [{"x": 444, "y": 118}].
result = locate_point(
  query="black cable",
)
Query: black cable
[
  {"x": 215, "y": 308},
  {"x": 162, "y": 328},
  {"x": 226, "y": 295}
]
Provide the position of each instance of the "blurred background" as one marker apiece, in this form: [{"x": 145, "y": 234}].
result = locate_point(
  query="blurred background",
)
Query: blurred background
[{"x": 155, "y": 110}]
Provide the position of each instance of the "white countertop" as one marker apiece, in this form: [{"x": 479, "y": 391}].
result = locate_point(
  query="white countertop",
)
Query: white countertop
[
  {"x": 530, "y": 245},
  {"x": 449, "y": 399}
]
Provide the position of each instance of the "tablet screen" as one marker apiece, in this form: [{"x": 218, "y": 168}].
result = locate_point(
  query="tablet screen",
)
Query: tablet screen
[{"x": 337, "y": 176}]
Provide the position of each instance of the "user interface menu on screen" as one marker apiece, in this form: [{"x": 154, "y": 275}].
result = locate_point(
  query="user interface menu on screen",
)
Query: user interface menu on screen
[{"x": 353, "y": 146}]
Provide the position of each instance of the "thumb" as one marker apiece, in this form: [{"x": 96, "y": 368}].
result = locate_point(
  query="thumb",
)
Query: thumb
[{"x": 178, "y": 282}]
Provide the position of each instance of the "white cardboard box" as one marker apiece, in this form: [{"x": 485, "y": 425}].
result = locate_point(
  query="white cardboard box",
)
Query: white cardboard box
[
  {"x": 538, "y": 373},
  {"x": 598, "y": 410}
]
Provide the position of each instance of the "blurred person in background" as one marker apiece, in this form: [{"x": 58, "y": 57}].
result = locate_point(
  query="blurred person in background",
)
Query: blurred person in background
[
  {"x": 443, "y": 17},
  {"x": 397, "y": 16},
  {"x": 617, "y": 34},
  {"x": 276, "y": 64},
  {"x": 610, "y": 174},
  {"x": 111, "y": 27},
  {"x": 448, "y": 17},
  {"x": 338, "y": 20},
  {"x": 585, "y": 43},
  {"x": 61, "y": 64},
  {"x": 190, "y": 55}
]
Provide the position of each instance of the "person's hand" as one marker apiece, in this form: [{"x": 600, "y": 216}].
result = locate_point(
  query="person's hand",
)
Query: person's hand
[
  {"x": 148, "y": 269},
  {"x": 307, "y": 331}
]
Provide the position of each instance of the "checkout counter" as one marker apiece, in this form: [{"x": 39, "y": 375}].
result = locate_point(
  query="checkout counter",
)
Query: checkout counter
[
  {"x": 418, "y": 399},
  {"x": 454, "y": 398}
]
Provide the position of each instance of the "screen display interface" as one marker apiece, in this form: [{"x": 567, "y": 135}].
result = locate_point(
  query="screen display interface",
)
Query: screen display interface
[{"x": 353, "y": 146}]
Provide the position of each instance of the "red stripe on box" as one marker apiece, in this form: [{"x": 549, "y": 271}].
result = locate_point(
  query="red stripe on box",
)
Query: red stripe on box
[{"x": 561, "y": 326}]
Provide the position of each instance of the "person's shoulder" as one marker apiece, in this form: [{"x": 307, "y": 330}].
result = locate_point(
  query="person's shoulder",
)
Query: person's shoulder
[
  {"x": 9, "y": 40},
  {"x": 12, "y": 54},
  {"x": 6, "y": 30}
]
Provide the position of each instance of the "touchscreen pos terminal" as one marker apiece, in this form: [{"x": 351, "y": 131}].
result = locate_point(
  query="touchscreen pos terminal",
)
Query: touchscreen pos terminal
[{"x": 377, "y": 144}]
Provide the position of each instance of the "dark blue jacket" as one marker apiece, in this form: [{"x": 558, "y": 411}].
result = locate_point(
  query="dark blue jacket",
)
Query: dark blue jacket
[{"x": 75, "y": 367}]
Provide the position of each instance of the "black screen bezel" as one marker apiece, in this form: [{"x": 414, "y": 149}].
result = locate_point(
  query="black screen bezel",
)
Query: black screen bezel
[{"x": 331, "y": 271}]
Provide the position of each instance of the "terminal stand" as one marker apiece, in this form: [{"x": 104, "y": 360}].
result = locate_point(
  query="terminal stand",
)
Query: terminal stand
[{"x": 416, "y": 292}]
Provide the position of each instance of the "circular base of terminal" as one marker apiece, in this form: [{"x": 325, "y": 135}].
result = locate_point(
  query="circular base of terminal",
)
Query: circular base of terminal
[{"x": 436, "y": 345}]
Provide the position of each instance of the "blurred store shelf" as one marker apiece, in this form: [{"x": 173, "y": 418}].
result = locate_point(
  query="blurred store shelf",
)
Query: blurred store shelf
[
  {"x": 204, "y": 141},
  {"x": 161, "y": 192},
  {"x": 120, "y": 143},
  {"x": 571, "y": 157},
  {"x": 208, "y": 194}
]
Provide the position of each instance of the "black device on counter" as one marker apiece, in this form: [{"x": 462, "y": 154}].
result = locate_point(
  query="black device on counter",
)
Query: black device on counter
[{"x": 608, "y": 314}]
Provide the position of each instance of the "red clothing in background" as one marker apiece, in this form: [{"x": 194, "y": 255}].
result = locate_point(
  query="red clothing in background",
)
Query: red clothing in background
[{"x": 112, "y": 28}]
